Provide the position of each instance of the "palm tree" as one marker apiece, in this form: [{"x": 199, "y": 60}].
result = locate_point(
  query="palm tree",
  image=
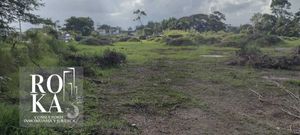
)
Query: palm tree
[{"x": 139, "y": 14}]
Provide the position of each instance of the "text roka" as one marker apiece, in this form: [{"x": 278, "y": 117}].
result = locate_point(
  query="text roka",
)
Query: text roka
[{"x": 38, "y": 96}]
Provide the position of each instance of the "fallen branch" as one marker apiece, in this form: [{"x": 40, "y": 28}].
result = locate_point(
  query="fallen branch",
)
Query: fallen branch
[
  {"x": 290, "y": 113},
  {"x": 259, "y": 95},
  {"x": 286, "y": 90},
  {"x": 260, "y": 98}
]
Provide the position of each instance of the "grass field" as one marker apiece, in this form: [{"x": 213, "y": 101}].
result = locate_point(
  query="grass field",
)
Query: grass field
[
  {"x": 187, "y": 90},
  {"x": 164, "y": 89}
]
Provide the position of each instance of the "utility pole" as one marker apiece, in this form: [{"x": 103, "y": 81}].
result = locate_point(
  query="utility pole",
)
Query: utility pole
[{"x": 20, "y": 28}]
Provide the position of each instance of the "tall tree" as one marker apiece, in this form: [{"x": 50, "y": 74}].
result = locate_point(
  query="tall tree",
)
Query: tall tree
[
  {"x": 264, "y": 23},
  {"x": 170, "y": 23},
  {"x": 280, "y": 7},
  {"x": 139, "y": 15},
  {"x": 104, "y": 27},
  {"x": 215, "y": 21},
  {"x": 16, "y": 11},
  {"x": 80, "y": 25},
  {"x": 200, "y": 22},
  {"x": 184, "y": 23}
]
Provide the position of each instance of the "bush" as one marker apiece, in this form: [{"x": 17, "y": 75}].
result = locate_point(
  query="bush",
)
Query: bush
[
  {"x": 9, "y": 120},
  {"x": 73, "y": 48},
  {"x": 90, "y": 63},
  {"x": 79, "y": 38},
  {"x": 252, "y": 56},
  {"x": 179, "y": 41},
  {"x": 133, "y": 40},
  {"x": 262, "y": 40},
  {"x": 175, "y": 36},
  {"x": 7, "y": 63},
  {"x": 249, "y": 51},
  {"x": 111, "y": 58},
  {"x": 96, "y": 41},
  {"x": 9, "y": 123},
  {"x": 142, "y": 37},
  {"x": 124, "y": 39},
  {"x": 238, "y": 40}
]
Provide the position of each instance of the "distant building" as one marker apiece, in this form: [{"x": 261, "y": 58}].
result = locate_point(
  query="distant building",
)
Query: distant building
[
  {"x": 67, "y": 37},
  {"x": 102, "y": 31},
  {"x": 109, "y": 31},
  {"x": 129, "y": 32}
]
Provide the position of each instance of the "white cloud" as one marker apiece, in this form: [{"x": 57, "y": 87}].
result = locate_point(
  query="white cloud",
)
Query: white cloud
[{"x": 120, "y": 12}]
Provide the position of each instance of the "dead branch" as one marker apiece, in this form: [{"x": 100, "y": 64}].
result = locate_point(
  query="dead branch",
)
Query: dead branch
[
  {"x": 286, "y": 90},
  {"x": 290, "y": 113},
  {"x": 259, "y": 95}
]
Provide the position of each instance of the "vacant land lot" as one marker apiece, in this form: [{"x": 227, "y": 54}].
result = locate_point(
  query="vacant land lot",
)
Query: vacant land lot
[{"x": 187, "y": 90}]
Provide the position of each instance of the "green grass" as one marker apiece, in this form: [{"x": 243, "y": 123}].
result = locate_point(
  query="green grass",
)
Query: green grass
[{"x": 156, "y": 79}]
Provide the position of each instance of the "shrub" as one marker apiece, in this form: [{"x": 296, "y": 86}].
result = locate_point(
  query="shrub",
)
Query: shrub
[
  {"x": 249, "y": 51},
  {"x": 142, "y": 37},
  {"x": 175, "y": 36},
  {"x": 262, "y": 40},
  {"x": 79, "y": 38},
  {"x": 96, "y": 41},
  {"x": 73, "y": 48},
  {"x": 35, "y": 46},
  {"x": 111, "y": 58},
  {"x": 133, "y": 40},
  {"x": 90, "y": 63},
  {"x": 238, "y": 40},
  {"x": 7, "y": 64},
  {"x": 179, "y": 41},
  {"x": 252, "y": 56},
  {"x": 124, "y": 39},
  {"x": 9, "y": 120}
]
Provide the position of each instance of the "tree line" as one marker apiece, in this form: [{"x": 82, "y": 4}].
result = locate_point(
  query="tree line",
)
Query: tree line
[{"x": 279, "y": 22}]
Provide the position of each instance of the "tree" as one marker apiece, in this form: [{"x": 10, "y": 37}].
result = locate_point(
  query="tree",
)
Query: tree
[
  {"x": 264, "y": 23},
  {"x": 139, "y": 14},
  {"x": 279, "y": 8},
  {"x": 200, "y": 22},
  {"x": 153, "y": 28},
  {"x": 104, "y": 27},
  {"x": 170, "y": 23},
  {"x": 215, "y": 21},
  {"x": 80, "y": 25},
  {"x": 246, "y": 28},
  {"x": 184, "y": 23},
  {"x": 130, "y": 29},
  {"x": 281, "y": 22},
  {"x": 17, "y": 11}
]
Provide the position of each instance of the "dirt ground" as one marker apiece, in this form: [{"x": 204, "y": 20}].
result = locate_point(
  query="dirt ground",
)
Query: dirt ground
[{"x": 224, "y": 102}]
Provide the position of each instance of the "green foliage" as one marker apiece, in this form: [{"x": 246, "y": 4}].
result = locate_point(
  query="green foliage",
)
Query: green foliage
[
  {"x": 81, "y": 25},
  {"x": 139, "y": 14},
  {"x": 199, "y": 22},
  {"x": 281, "y": 22},
  {"x": 92, "y": 62},
  {"x": 294, "y": 82},
  {"x": 13, "y": 11},
  {"x": 253, "y": 56},
  {"x": 247, "y": 51},
  {"x": 182, "y": 41},
  {"x": 134, "y": 40},
  {"x": 279, "y": 7},
  {"x": 9, "y": 123},
  {"x": 96, "y": 41},
  {"x": 9, "y": 119},
  {"x": 7, "y": 64},
  {"x": 73, "y": 48},
  {"x": 112, "y": 58}
]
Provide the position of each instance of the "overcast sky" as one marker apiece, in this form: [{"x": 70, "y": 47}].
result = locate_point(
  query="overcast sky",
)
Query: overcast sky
[{"x": 119, "y": 12}]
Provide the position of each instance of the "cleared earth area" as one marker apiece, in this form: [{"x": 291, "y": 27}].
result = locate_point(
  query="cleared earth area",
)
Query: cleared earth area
[{"x": 175, "y": 90}]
